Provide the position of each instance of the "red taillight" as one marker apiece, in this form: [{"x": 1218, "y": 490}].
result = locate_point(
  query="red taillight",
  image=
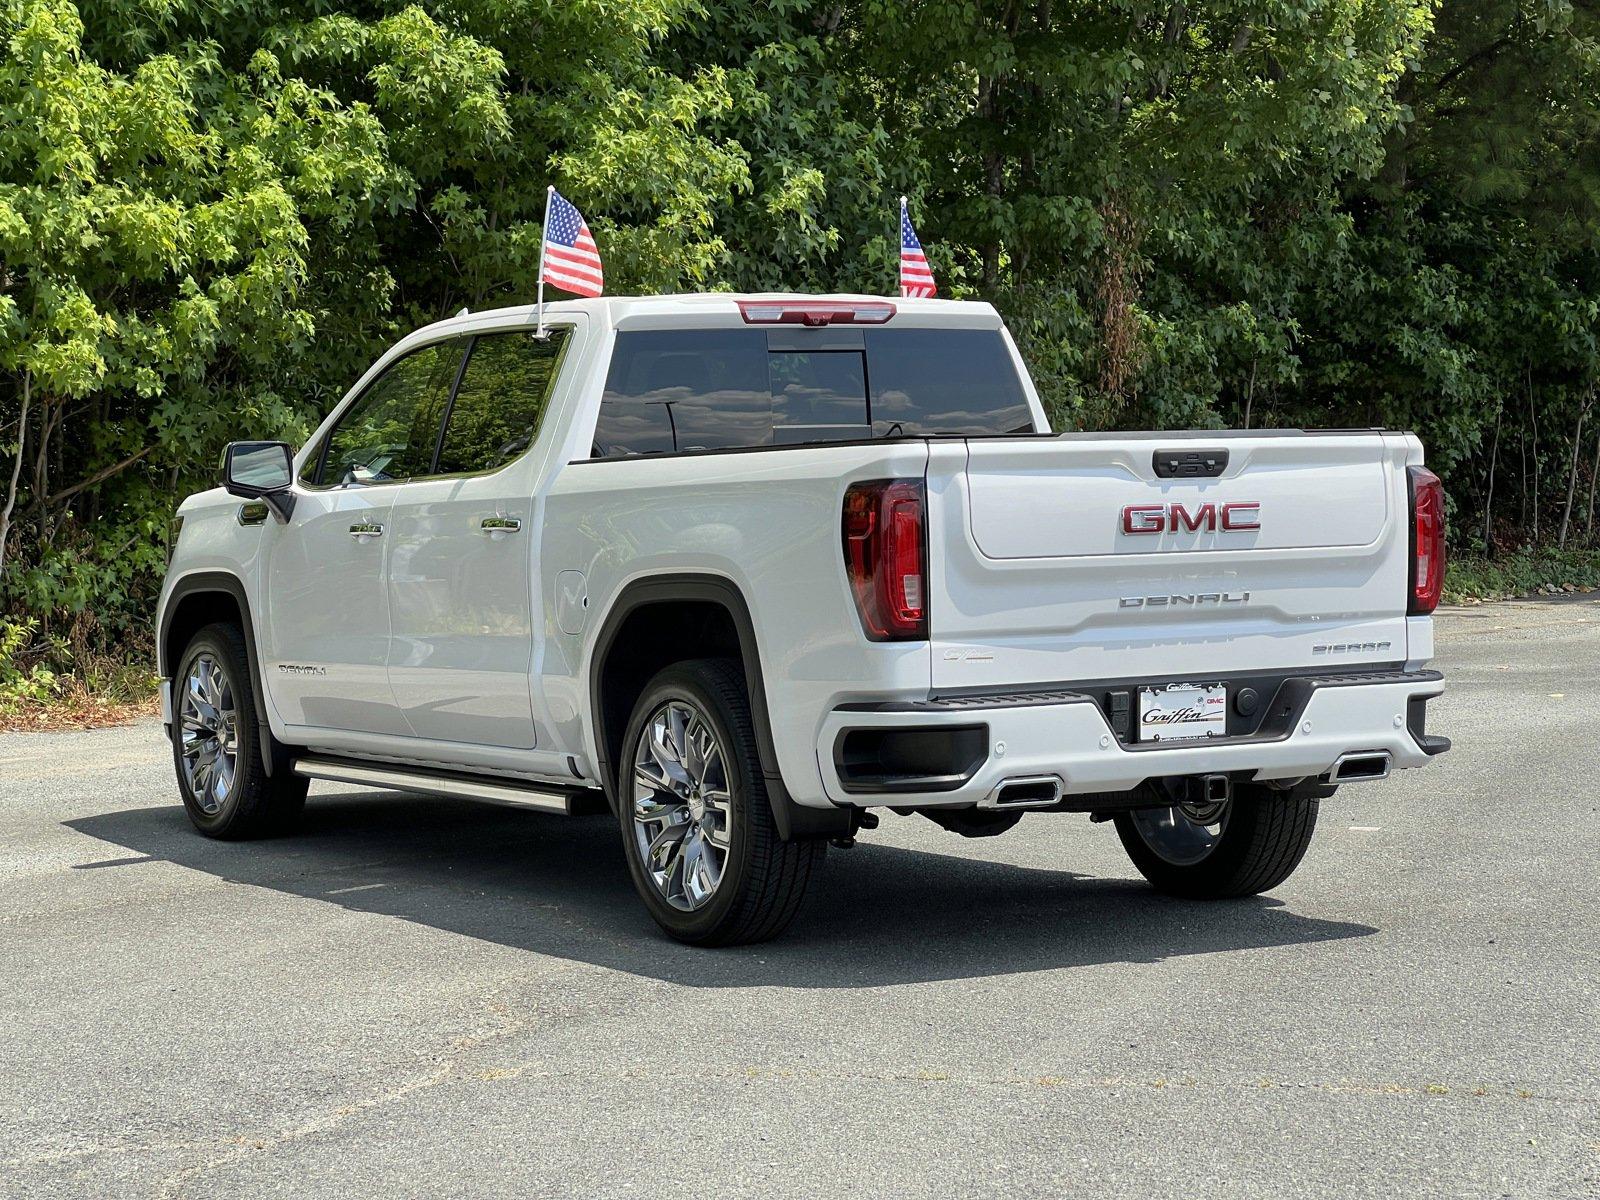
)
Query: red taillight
[
  {"x": 1427, "y": 541},
  {"x": 885, "y": 556},
  {"x": 815, "y": 313}
]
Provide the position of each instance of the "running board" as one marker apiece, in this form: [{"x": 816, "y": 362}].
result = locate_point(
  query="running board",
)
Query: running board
[{"x": 440, "y": 783}]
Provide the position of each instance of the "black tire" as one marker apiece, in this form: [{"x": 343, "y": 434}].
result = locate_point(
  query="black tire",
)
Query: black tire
[
  {"x": 256, "y": 804},
  {"x": 1261, "y": 843},
  {"x": 764, "y": 878}
]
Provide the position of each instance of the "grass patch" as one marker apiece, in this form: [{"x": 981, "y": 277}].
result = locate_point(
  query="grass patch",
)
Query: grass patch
[
  {"x": 1472, "y": 577},
  {"x": 46, "y": 684}
]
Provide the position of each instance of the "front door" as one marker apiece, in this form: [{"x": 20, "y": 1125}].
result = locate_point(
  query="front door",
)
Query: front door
[
  {"x": 462, "y": 571},
  {"x": 324, "y": 572},
  {"x": 328, "y": 613}
]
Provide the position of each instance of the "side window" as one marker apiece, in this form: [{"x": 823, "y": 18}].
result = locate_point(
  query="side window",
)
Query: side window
[
  {"x": 676, "y": 390},
  {"x": 496, "y": 413},
  {"x": 389, "y": 433},
  {"x": 959, "y": 381}
]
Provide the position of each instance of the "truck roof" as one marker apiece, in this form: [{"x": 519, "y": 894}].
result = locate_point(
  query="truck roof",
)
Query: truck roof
[{"x": 712, "y": 308}]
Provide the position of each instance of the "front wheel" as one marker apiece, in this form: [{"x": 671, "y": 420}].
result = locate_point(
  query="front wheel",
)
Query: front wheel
[
  {"x": 1249, "y": 844},
  {"x": 217, "y": 743},
  {"x": 697, "y": 826}
]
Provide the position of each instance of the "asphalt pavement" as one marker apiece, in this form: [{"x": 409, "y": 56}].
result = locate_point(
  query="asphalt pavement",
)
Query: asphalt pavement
[{"x": 426, "y": 997}]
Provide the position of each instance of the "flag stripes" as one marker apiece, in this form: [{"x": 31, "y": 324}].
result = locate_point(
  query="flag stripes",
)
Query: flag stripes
[
  {"x": 916, "y": 277},
  {"x": 571, "y": 259}
]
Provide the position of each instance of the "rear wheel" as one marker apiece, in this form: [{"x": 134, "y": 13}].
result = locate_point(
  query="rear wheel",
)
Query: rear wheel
[
  {"x": 1246, "y": 845},
  {"x": 697, "y": 826},
  {"x": 217, "y": 743}
]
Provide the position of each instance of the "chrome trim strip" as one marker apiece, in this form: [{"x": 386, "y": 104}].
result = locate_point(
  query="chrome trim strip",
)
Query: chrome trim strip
[{"x": 432, "y": 784}]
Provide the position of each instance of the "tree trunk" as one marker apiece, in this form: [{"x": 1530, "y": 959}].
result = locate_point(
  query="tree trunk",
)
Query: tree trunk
[
  {"x": 1488, "y": 501},
  {"x": 993, "y": 177},
  {"x": 41, "y": 464},
  {"x": 16, "y": 470},
  {"x": 1572, "y": 474},
  {"x": 1250, "y": 393},
  {"x": 1594, "y": 476},
  {"x": 1522, "y": 507},
  {"x": 1533, "y": 415},
  {"x": 1118, "y": 290}
]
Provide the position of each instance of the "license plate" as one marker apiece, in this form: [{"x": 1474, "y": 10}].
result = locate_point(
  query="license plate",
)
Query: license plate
[{"x": 1177, "y": 712}]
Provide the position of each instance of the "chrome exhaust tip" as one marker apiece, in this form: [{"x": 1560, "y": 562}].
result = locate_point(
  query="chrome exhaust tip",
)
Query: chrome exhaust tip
[
  {"x": 1360, "y": 765},
  {"x": 1027, "y": 791}
]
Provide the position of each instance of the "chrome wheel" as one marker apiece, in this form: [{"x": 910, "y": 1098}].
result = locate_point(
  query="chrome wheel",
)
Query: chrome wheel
[
  {"x": 208, "y": 725},
  {"x": 682, "y": 807},
  {"x": 1183, "y": 834}
]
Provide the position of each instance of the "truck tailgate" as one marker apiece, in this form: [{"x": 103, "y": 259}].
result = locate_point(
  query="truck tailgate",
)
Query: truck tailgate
[{"x": 1071, "y": 558}]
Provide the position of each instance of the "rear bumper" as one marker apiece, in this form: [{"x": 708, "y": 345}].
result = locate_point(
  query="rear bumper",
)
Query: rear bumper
[{"x": 1313, "y": 722}]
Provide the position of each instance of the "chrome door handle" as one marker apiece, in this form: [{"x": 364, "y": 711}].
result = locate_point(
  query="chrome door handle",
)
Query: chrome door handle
[
  {"x": 365, "y": 529},
  {"x": 499, "y": 526}
]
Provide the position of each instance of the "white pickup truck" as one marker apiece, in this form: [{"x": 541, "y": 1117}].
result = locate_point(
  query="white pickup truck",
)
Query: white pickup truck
[{"x": 747, "y": 570}]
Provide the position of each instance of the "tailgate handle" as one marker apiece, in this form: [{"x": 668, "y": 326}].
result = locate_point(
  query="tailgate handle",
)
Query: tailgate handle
[{"x": 1189, "y": 464}]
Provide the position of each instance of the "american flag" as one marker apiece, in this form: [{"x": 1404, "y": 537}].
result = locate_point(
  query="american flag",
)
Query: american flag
[
  {"x": 570, "y": 258},
  {"x": 915, "y": 277}
]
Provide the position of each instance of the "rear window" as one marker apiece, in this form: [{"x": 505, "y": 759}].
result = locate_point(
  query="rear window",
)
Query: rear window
[{"x": 673, "y": 391}]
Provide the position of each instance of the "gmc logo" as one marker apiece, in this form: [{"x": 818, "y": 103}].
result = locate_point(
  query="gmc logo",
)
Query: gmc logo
[{"x": 1236, "y": 516}]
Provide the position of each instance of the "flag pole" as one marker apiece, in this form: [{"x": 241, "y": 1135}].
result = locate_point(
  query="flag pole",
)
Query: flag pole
[
  {"x": 544, "y": 240},
  {"x": 899, "y": 253}
]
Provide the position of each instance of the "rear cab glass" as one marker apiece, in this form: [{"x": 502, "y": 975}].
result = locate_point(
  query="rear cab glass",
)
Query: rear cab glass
[{"x": 679, "y": 391}]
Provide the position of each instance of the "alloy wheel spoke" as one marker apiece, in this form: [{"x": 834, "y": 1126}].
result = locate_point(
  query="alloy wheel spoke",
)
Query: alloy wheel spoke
[
  {"x": 654, "y": 808},
  {"x": 694, "y": 879},
  {"x": 204, "y": 711},
  {"x": 716, "y": 831},
  {"x": 666, "y": 845},
  {"x": 667, "y": 756}
]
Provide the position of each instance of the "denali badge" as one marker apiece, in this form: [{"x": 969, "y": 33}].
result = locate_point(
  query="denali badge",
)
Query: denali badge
[
  {"x": 301, "y": 669},
  {"x": 1193, "y": 599},
  {"x": 1350, "y": 648},
  {"x": 1234, "y": 516},
  {"x": 968, "y": 656}
]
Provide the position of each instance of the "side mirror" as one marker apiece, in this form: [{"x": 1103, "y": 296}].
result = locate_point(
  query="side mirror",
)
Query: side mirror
[{"x": 261, "y": 471}]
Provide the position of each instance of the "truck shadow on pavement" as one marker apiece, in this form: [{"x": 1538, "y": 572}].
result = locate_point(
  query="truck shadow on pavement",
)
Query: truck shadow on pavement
[{"x": 880, "y": 914}]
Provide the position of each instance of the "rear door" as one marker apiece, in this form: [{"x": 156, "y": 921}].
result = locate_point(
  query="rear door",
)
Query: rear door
[
  {"x": 1074, "y": 558},
  {"x": 461, "y": 563}
]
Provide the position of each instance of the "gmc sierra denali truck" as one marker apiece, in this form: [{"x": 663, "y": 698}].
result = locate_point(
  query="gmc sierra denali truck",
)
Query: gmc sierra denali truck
[{"x": 747, "y": 570}]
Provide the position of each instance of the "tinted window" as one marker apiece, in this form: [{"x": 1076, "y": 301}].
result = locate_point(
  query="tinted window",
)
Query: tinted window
[
  {"x": 944, "y": 381},
  {"x": 713, "y": 389},
  {"x": 685, "y": 390},
  {"x": 818, "y": 395},
  {"x": 495, "y": 415},
  {"x": 391, "y": 430}
]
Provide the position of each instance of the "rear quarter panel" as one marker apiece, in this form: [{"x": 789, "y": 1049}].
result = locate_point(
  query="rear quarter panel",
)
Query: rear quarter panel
[{"x": 769, "y": 522}]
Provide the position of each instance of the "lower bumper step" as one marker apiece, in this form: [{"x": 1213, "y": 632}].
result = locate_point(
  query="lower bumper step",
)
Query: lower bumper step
[{"x": 443, "y": 783}]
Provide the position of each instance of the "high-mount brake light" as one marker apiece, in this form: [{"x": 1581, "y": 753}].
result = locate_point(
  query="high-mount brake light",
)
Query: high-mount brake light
[
  {"x": 1427, "y": 541},
  {"x": 815, "y": 314},
  {"x": 886, "y": 557}
]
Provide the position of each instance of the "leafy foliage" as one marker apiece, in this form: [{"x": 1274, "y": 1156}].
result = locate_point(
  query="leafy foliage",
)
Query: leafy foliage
[{"x": 1255, "y": 212}]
